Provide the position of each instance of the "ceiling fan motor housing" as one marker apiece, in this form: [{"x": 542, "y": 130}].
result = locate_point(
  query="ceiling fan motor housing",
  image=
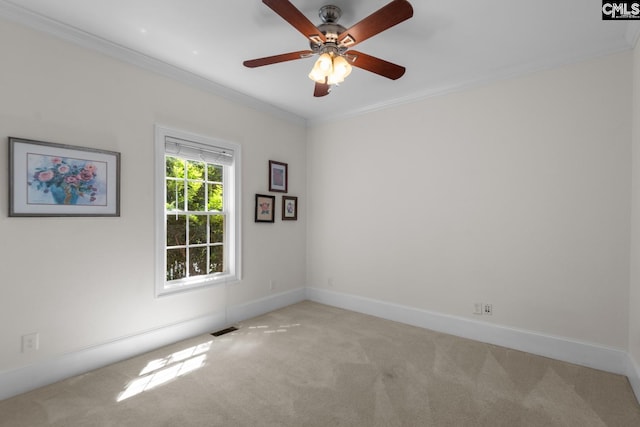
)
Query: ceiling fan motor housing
[{"x": 329, "y": 15}]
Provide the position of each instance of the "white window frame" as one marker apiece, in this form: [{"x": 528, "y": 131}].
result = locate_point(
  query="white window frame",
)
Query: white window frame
[{"x": 231, "y": 207}]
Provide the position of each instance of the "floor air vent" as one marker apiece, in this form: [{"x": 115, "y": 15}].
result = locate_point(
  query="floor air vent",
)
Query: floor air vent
[{"x": 224, "y": 331}]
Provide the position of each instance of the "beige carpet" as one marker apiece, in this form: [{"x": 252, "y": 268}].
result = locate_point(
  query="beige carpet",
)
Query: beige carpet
[{"x": 314, "y": 365}]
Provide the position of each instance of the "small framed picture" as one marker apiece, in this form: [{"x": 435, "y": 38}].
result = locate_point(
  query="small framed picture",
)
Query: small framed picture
[
  {"x": 289, "y": 208},
  {"x": 49, "y": 179},
  {"x": 265, "y": 206},
  {"x": 278, "y": 176}
]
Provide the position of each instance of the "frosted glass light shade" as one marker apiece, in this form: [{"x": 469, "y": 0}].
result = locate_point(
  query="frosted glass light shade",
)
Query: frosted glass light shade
[
  {"x": 322, "y": 69},
  {"x": 341, "y": 69}
]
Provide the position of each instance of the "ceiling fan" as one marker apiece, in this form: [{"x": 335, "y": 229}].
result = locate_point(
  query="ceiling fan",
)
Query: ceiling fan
[{"x": 332, "y": 42}]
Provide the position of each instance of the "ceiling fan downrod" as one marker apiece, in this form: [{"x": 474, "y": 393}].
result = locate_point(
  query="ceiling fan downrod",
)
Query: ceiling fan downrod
[{"x": 329, "y": 14}]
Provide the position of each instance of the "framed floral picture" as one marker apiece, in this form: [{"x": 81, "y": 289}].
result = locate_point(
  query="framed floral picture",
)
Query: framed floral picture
[
  {"x": 289, "y": 208},
  {"x": 48, "y": 179},
  {"x": 278, "y": 176},
  {"x": 265, "y": 207}
]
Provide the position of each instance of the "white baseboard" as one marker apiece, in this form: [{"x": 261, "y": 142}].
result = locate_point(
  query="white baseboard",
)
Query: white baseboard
[
  {"x": 633, "y": 374},
  {"x": 265, "y": 305},
  {"x": 46, "y": 372},
  {"x": 580, "y": 353}
]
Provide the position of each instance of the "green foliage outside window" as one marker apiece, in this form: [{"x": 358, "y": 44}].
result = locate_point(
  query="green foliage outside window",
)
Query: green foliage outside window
[{"x": 194, "y": 218}]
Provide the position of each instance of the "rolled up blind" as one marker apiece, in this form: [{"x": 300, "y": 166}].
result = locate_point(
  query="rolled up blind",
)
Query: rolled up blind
[{"x": 198, "y": 152}]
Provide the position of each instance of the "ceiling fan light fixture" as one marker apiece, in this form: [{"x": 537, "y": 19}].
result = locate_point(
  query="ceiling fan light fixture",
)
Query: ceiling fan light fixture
[
  {"x": 330, "y": 69},
  {"x": 341, "y": 69},
  {"x": 322, "y": 69}
]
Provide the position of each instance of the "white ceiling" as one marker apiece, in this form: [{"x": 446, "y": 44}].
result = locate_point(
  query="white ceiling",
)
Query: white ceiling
[{"x": 446, "y": 45}]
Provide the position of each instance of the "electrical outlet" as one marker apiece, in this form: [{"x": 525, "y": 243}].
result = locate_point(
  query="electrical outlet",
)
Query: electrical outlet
[
  {"x": 477, "y": 308},
  {"x": 330, "y": 282},
  {"x": 272, "y": 284},
  {"x": 488, "y": 309},
  {"x": 30, "y": 342}
]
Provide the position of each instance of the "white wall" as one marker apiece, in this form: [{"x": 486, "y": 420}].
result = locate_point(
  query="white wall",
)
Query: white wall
[
  {"x": 515, "y": 194},
  {"x": 82, "y": 282},
  {"x": 634, "y": 299}
]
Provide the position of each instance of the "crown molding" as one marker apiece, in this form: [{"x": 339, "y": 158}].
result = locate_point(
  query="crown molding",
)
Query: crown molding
[
  {"x": 16, "y": 13},
  {"x": 490, "y": 77}
]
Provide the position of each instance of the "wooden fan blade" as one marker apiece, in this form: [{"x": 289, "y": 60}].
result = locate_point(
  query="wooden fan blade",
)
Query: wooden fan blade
[
  {"x": 383, "y": 19},
  {"x": 293, "y": 16},
  {"x": 375, "y": 65},
  {"x": 321, "y": 89},
  {"x": 268, "y": 60}
]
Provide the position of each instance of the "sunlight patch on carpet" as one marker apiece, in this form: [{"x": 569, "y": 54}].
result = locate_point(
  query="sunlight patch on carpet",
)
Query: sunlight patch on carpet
[
  {"x": 267, "y": 329},
  {"x": 161, "y": 371}
]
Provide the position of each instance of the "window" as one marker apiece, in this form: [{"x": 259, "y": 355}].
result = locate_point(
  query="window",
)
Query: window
[{"x": 198, "y": 215}]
